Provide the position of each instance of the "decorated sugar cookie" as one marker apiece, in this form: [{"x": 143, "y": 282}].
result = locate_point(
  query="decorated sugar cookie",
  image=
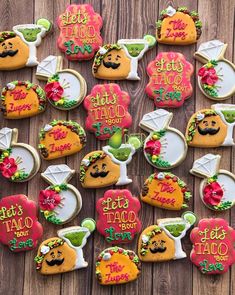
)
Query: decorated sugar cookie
[
  {"x": 169, "y": 84},
  {"x": 19, "y": 226},
  {"x": 118, "y": 218},
  {"x": 61, "y": 138},
  {"x": 65, "y": 89},
  {"x": 117, "y": 266},
  {"x": 120, "y": 61},
  {"x": 213, "y": 246},
  {"x": 165, "y": 147},
  {"x": 216, "y": 77},
  {"x": 212, "y": 127},
  {"x": 60, "y": 202},
  {"x": 165, "y": 190},
  {"x": 22, "y": 99},
  {"x": 162, "y": 241},
  {"x": 65, "y": 252},
  {"x": 178, "y": 26},
  {"x": 107, "y": 108},
  {"x": 79, "y": 27},
  {"x": 218, "y": 186},
  {"x": 18, "y": 48},
  {"x": 19, "y": 162}
]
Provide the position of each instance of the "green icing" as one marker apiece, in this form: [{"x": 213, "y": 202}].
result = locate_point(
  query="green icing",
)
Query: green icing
[
  {"x": 115, "y": 140},
  {"x": 30, "y": 34},
  {"x": 76, "y": 238},
  {"x": 229, "y": 115},
  {"x": 175, "y": 229},
  {"x": 134, "y": 49},
  {"x": 121, "y": 154}
]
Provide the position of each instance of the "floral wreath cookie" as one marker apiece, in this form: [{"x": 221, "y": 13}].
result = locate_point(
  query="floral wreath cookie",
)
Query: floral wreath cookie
[
  {"x": 178, "y": 26},
  {"x": 19, "y": 226},
  {"x": 165, "y": 190},
  {"x": 120, "y": 61},
  {"x": 61, "y": 138},
  {"x": 165, "y": 147},
  {"x": 116, "y": 265},
  {"x": 218, "y": 186},
  {"x": 65, "y": 89},
  {"x": 162, "y": 241},
  {"x": 22, "y": 100},
  {"x": 107, "y": 108},
  {"x": 80, "y": 29},
  {"x": 169, "y": 84},
  {"x": 18, "y": 48},
  {"x": 212, "y": 127},
  {"x": 118, "y": 218},
  {"x": 60, "y": 202},
  {"x": 216, "y": 78},
  {"x": 19, "y": 162},
  {"x": 65, "y": 252},
  {"x": 213, "y": 246}
]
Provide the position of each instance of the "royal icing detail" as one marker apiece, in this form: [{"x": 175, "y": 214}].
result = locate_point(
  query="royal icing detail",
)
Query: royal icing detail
[
  {"x": 118, "y": 218},
  {"x": 218, "y": 186},
  {"x": 117, "y": 266},
  {"x": 165, "y": 147},
  {"x": 60, "y": 202},
  {"x": 216, "y": 77},
  {"x": 178, "y": 26},
  {"x": 19, "y": 162},
  {"x": 169, "y": 84},
  {"x": 61, "y": 138},
  {"x": 19, "y": 226},
  {"x": 80, "y": 29},
  {"x": 165, "y": 190},
  {"x": 213, "y": 246},
  {"x": 107, "y": 108},
  {"x": 212, "y": 127},
  {"x": 22, "y": 99}
]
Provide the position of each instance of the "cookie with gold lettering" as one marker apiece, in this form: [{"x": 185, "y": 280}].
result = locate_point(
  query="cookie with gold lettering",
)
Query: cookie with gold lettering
[
  {"x": 22, "y": 100},
  {"x": 118, "y": 218},
  {"x": 178, "y": 26},
  {"x": 165, "y": 190},
  {"x": 80, "y": 29},
  {"x": 61, "y": 138},
  {"x": 19, "y": 226},
  {"x": 213, "y": 246},
  {"x": 117, "y": 266}
]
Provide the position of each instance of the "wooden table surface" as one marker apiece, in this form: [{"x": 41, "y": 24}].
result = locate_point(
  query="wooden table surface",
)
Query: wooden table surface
[{"x": 122, "y": 19}]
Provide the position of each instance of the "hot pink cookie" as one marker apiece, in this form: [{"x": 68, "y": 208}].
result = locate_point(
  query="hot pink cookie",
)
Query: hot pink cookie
[
  {"x": 169, "y": 85},
  {"x": 107, "y": 108},
  {"x": 118, "y": 218},
  {"x": 19, "y": 226},
  {"x": 80, "y": 29},
  {"x": 213, "y": 251}
]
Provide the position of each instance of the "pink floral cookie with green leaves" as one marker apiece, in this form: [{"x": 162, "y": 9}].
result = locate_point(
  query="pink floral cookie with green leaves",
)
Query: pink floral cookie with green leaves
[
  {"x": 107, "y": 108},
  {"x": 213, "y": 246},
  {"x": 118, "y": 218},
  {"x": 169, "y": 85},
  {"x": 80, "y": 29}
]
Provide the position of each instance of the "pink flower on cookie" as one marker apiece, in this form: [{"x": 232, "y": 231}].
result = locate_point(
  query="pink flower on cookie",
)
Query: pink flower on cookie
[
  {"x": 153, "y": 147},
  {"x": 208, "y": 75},
  {"x": 54, "y": 91},
  {"x": 212, "y": 194},
  {"x": 8, "y": 167},
  {"x": 49, "y": 199}
]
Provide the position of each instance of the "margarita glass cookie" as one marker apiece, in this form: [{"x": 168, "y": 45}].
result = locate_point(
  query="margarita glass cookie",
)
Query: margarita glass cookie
[
  {"x": 120, "y": 61},
  {"x": 61, "y": 138},
  {"x": 60, "y": 202},
  {"x": 65, "y": 252},
  {"x": 19, "y": 162},
  {"x": 165, "y": 190},
  {"x": 178, "y": 26},
  {"x": 79, "y": 36},
  {"x": 19, "y": 226},
  {"x": 169, "y": 84},
  {"x": 65, "y": 89},
  {"x": 116, "y": 265},
  {"x": 213, "y": 246},
  {"x": 216, "y": 77},
  {"x": 162, "y": 241},
  {"x": 165, "y": 147},
  {"x": 218, "y": 186}
]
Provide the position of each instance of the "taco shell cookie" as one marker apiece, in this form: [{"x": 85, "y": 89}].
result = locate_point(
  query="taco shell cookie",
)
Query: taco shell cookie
[{"x": 117, "y": 266}]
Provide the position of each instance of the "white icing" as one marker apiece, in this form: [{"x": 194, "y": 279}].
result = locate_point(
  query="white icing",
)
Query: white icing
[
  {"x": 25, "y": 157},
  {"x": 44, "y": 249},
  {"x": 106, "y": 256},
  {"x": 200, "y": 116},
  {"x": 5, "y": 138},
  {"x": 227, "y": 183},
  {"x": 145, "y": 238},
  {"x": 48, "y": 66},
  {"x": 47, "y": 127},
  {"x": 57, "y": 174},
  {"x": 170, "y": 11},
  {"x": 156, "y": 120},
  {"x": 102, "y": 50},
  {"x": 160, "y": 176},
  {"x": 206, "y": 166},
  {"x": 11, "y": 86},
  {"x": 71, "y": 85},
  {"x": 211, "y": 49}
]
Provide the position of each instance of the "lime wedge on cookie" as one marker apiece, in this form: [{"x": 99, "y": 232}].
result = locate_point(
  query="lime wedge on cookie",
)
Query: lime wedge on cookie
[
  {"x": 89, "y": 223},
  {"x": 190, "y": 217}
]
